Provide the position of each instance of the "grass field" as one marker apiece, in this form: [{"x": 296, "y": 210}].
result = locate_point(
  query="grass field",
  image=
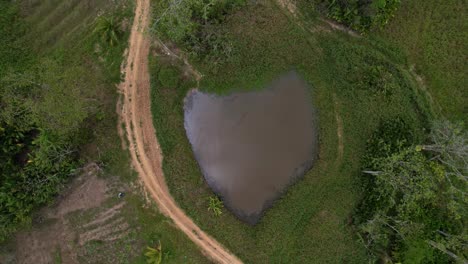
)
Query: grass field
[
  {"x": 61, "y": 31},
  {"x": 433, "y": 36},
  {"x": 356, "y": 83}
]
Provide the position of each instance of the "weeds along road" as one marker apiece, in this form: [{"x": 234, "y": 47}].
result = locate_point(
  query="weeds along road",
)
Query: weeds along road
[{"x": 135, "y": 113}]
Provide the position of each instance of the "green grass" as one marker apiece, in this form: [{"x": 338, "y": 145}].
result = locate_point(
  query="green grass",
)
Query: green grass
[
  {"x": 311, "y": 222},
  {"x": 434, "y": 37},
  {"x": 62, "y": 23}
]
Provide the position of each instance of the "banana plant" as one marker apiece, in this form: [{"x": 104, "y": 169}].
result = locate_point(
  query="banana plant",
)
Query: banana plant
[{"x": 154, "y": 254}]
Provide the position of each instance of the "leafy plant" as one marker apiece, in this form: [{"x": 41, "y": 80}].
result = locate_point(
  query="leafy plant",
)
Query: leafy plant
[
  {"x": 361, "y": 15},
  {"x": 169, "y": 77},
  {"x": 195, "y": 25},
  {"x": 108, "y": 28},
  {"x": 215, "y": 205},
  {"x": 154, "y": 254},
  {"x": 211, "y": 44}
]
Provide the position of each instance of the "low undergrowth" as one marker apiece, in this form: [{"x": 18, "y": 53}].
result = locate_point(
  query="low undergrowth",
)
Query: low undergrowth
[{"x": 362, "y": 16}]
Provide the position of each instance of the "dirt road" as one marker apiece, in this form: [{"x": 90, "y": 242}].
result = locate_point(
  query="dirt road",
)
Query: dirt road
[{"x": 135, "y": 114}]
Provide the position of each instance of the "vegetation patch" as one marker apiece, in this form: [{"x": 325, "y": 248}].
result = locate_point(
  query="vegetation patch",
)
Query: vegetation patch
[
  {"x": 365, "y": 81},
  {"x": 169, "y": 77},
  {"x": 360, "y": 15},
  {"x": 41, "y": 139},
  {"x": 434, "y": 45},
  {"x": 196, "y": 25},
  {"x": 60, "y": 64},
  {"x": 414, "y": 205}
]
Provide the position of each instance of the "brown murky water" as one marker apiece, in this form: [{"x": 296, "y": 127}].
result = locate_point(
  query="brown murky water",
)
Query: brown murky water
[{"x": 252, "y": 145}]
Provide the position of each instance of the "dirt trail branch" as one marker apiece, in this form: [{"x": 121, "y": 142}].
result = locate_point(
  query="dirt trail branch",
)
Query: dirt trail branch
[{"x": 135, "y": 113}]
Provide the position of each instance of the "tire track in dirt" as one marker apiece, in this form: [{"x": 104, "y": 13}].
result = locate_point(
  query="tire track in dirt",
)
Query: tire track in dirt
[
  {"x": 134, "y": 109},
  {"x": 339, "y": 130}
]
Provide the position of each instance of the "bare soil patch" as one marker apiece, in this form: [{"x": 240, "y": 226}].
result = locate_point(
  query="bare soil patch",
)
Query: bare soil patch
[{"x": 56, "y": 237}]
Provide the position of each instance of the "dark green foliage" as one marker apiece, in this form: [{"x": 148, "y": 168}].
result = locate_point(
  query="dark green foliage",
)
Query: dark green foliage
[
  {"x": 32, "y": 169},
  {"x": 211, "y": 44},
  {"x": 13, "y": 51},
  {"x": 411, "y": 209},
  {"x": 169, "y": 77},
  {"x": 389, "y": 138},
  {"x": 108, "y": 29},
  {"x": 361, "y": 15}
]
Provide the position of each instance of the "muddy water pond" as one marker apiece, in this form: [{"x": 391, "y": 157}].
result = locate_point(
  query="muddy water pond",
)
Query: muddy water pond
[{"x": 252, "y": 145}]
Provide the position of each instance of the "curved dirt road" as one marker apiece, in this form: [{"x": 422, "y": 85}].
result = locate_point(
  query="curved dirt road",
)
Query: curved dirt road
[{"x": 135, "y": 113}]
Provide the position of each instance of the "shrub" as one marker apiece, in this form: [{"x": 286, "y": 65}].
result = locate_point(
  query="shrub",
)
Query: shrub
[
  {"x": 390, "y": 137},
  {"x": 108, "y": 29},
  {"x": 361, "y": 15},
  {"x": 211, "y": 43},
  {"x": 195, "y": 25},
  {"x": 169, "y": 77},
  {"x": 215, "y": 205}
]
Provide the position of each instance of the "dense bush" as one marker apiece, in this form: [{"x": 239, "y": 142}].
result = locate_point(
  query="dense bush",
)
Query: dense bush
[
  {"x": 45, "y": 101},
  {"x": 361, "y": 15},
  {"x": 414, "y": 207},
  {"x": 169, "y": 77},
  {"x": 31, "y": 172},
  {"x": 13, "y": 52},
  {"x": 35, "y": 157},
  {"x": 389, "y": 138},
  {"x": 195, "y": 25},
  {"x": 211, "y": 44}
]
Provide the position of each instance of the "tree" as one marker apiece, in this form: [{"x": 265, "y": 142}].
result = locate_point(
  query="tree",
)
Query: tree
[
  {"x": 419, "y": 199},
  {"x": 195, "y": 25},
  {"x": 65, "y": 100},
  {"x": 42, "y": 109},
  {"x": 176, "y": 20},
  {"x": 108, "y": 29},
  {"x": 448, "y": 145}
]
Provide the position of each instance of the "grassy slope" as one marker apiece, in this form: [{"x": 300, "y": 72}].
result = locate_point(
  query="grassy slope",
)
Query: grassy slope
[
  {"x": 61, "y": 30},
  {"x": 310, "y": 224},
  {"x": 433, "y": 34}
]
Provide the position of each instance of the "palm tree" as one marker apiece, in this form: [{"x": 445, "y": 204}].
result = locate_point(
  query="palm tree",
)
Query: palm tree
[{"x": 108, "y": 29}]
